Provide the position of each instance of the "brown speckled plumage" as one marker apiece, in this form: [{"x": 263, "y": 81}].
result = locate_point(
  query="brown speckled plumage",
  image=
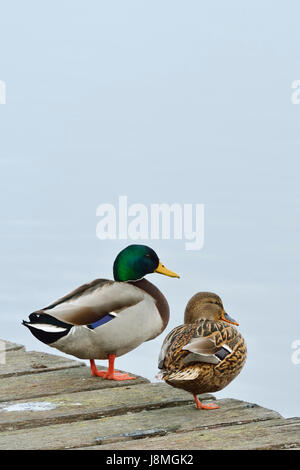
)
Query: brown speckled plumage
[{"x": 203, "y": 338}]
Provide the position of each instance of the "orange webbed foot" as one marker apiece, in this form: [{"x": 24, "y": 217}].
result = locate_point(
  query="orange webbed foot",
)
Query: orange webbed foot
[
  {"x": 201, "y": 406},
  {"x": 109, "y": 374},
  {"x": 208, "y": 406},
  {"x": 119, "y": 376}
]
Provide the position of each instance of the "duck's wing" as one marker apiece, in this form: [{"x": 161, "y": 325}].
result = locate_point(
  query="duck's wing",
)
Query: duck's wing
[
  {"x": 163, "y": 352},
  {"x": 90, "y": 303},
  {"x": 186, "y": 345},
  {"x": 172, "y": 345},
  {"x": 204, "y": 349}
]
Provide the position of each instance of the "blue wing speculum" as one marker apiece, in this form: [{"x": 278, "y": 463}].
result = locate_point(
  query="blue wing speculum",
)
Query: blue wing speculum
[{"x": 102, "y": 321}]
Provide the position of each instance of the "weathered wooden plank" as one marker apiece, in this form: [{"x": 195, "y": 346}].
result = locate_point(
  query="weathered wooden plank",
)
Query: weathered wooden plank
[
  {"x": 89, "y": 405},
  {"x": 270, "y": 434},
  {"x": 8, "y": 346},
  {"x": 75, "y": 379},
  {"x": 54, "y": 403},
  {"x": 177, "y": 421},
  {"x": 21, "y": 362}
]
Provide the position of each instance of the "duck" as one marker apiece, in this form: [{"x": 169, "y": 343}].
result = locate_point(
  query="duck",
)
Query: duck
[
  {"x": 205, "y": 353},
  {"x": 105, "y": 318}
]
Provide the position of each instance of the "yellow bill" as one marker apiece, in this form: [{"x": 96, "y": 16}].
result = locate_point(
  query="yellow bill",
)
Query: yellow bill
[{"x": 161, "y": 269}]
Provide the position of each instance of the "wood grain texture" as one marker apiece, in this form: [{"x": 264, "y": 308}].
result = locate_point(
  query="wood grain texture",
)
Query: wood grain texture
[
  {"x": 262, "y": 435},
  {"x": 21, "y": 363},
  {"x": 81, "y": 406},
  {"x": 69, "y": 380},
  {"x": 9, "y": 346},
  {"x": 121, "y": 430},
  {"x": 52, "y": 402}
]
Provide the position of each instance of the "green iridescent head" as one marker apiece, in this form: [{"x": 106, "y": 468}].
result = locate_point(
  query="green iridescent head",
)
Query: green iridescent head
[{"x": 135, "y": 261}]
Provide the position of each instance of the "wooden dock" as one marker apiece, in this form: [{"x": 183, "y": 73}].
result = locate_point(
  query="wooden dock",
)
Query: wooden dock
[{"x": 52, "y": 402}]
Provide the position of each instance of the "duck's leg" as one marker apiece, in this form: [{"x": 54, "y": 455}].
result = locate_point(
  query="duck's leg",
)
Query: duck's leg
[
  {"x": 110, "y": 374},
  {"x": 201, "y": 406},
  {"x": 95, "y": 372}
]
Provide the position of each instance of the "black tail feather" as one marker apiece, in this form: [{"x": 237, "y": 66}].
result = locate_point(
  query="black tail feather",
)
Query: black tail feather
[{"x": 44, "y": 319}]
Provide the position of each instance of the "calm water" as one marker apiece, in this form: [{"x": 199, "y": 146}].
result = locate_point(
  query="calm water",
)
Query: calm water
[{"x": 191, "y": 105}]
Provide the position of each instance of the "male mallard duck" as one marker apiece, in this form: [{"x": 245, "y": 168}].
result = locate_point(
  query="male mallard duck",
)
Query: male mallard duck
[
  {"x": 106, "y": 319},
  {"x": 206, "y": 353}
]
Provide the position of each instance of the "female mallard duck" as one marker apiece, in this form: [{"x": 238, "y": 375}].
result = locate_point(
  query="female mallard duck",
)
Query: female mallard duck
[
  {"x": 206, "y": 353},
  {"x": 106, "y": 319}
]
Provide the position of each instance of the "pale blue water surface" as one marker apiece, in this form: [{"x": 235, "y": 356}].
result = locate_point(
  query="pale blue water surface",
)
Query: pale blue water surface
[{"x": 163, "y": 102}]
